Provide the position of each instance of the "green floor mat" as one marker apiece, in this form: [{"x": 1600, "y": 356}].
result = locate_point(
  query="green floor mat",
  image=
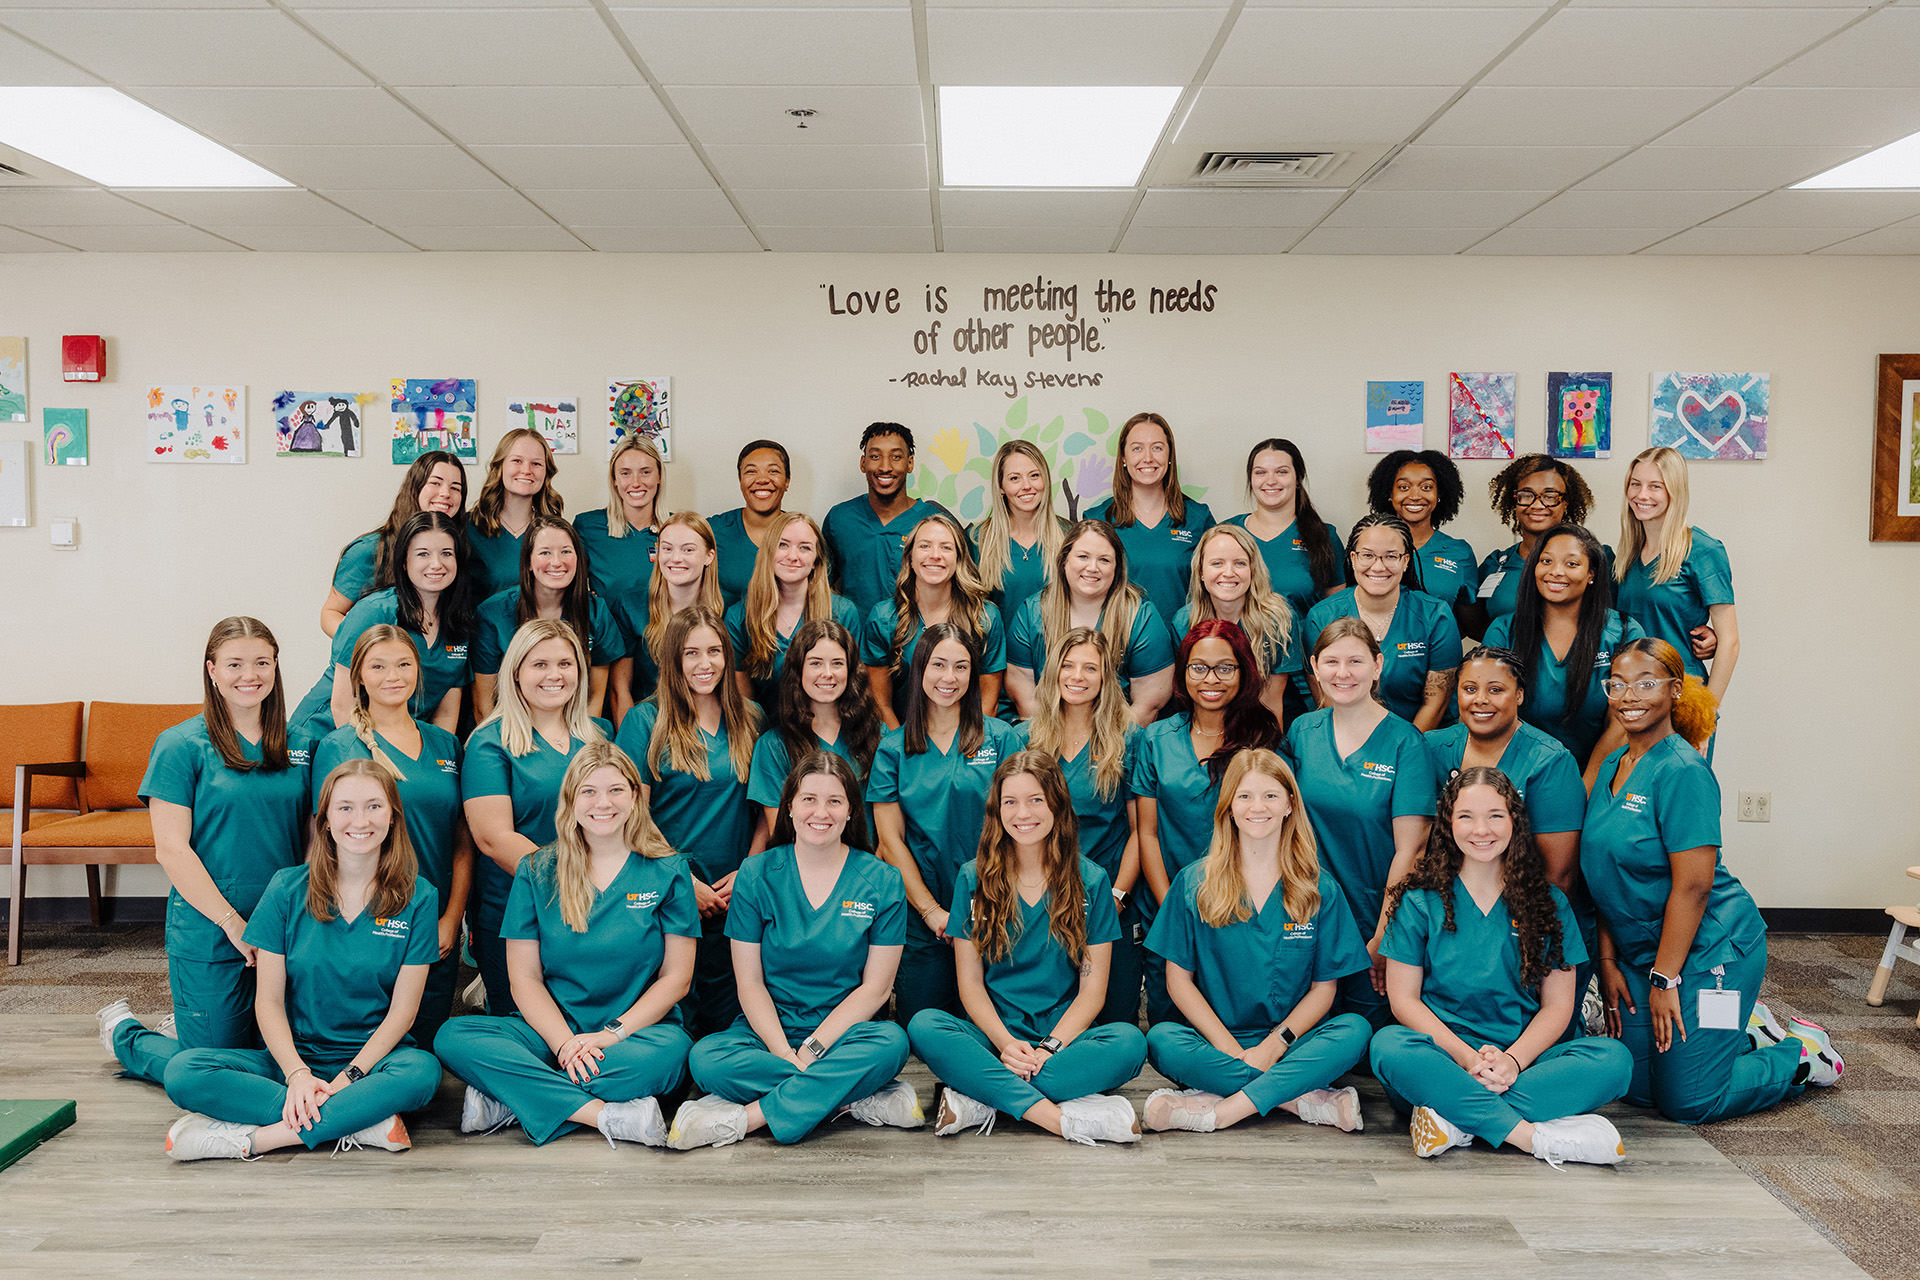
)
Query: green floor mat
[{"x": 26, "y": 1124}]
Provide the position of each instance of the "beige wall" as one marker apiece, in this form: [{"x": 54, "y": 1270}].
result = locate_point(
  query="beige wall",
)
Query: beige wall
[{"x": 1821, "y": 712}]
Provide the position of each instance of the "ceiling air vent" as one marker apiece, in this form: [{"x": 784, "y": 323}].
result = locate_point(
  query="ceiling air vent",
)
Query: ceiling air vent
[{"x": 1266, "y": 168}]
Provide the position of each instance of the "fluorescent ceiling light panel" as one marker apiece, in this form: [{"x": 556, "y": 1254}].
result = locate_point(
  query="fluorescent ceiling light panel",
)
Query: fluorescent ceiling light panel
[
  {"x": 1895, "y": 165},
  {"x": 104, "y": 135},
  {"x": 1049, "y": 137}
]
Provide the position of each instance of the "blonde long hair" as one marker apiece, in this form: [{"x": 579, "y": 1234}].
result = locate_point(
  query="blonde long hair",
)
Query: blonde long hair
[
  {"x": 676, "y": 731},
  {"x": 570, "y": 865},
  {"x": 394, "y": 875},
  {"x": 1123, "y": 479},
  {"x": 1111, "y": 718},
  {"x": 512, "y": 711},
  {"x": 634, "y": 442},
  {"x": 1117, "y": 611},
  {"x": 969, "y": 595},
  {"x": 762, "y": 605},
  {"x": 493, "y": 491},
  {"x": 1265, "y": 616},
  {"x": 1223, "y": 898},
  {"x": 660, "y": 603},
  {"x": 1676, "y": 535},
  {"x": 361, "y": 717},
  {"x": 996, "y": 910},
  {"x": 994, "y": 534}
]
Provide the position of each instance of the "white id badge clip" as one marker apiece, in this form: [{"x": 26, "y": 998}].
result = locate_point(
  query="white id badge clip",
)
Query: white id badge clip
[
  {"x": 1719, "y": 1008},
  {"x": 1490, "y": 583}
]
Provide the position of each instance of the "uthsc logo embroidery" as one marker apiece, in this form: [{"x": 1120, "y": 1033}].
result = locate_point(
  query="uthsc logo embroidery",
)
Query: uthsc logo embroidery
[
  {"x": 389, "y": 927},
  {"x": 1633, "y": 802},
  {"x": 854, "y": 909},
  {"x": 1378, "y": 770},
  {"x": 299, "y": 755},
  {"x": 642, "y": 901},
  {"x": 1411, "y": 648},
  {"x": 447, "y": 766},
  {"x": 456, "y": 651},
  {"x": 1301, "y": 931}
]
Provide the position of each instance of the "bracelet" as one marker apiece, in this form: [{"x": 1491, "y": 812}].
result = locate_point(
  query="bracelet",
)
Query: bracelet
[
  {"x": 222, "y": 921},
  {"x": 1517, "y": 1068},
  {"x": 297, "y": 1070}
]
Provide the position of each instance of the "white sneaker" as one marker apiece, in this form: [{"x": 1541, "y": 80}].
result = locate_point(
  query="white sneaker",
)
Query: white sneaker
[
  {"x": 958, "y": 1112},
  {"x": 894, "y": 1104},
  {"x": 636, "y": 1121},
  {"x": 1434, "y": 1133},
  {"x": 1593, "y": 1009},
  {"x": 388, "y": 1135},
  {"x": 1337, "y": 1107},
  {"x": 197, "y": 1137},
  {"x": 475, "y": 995},
  {"x": 109, "y": 1018},
  {"x": 711, "y": 1121},
  {"x": 1588, "y": 1139},
  {"x": 1099, "y": 1117},
  {"x": 1189, "y": 1109},
  {"x": 1823, "y": 1060},
  {"x": 482, "y": 1113},
  {"x": 1763, "y": 1028},
  {"x": 169, "y": 1028}
]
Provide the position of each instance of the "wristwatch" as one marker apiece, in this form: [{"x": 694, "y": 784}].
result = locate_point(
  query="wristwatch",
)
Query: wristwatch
[
  {"x": 354, "y": 1073},
  {"x": 1287, "y": 1037},
  {"x": 1661, "y": 981},
  {"x": 1050, "y": 1043},
  {"x": 813, "y": 1046},
  {"x": 618, "y": 1032}
]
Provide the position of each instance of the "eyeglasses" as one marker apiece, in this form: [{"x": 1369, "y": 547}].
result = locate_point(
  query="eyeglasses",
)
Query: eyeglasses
[
  {"x": 1393, "y": 559},
  {"x": 1223, "y": 673},
  {"x": 1528, "y": 498},
  {"x": 1616, "y": 688}
]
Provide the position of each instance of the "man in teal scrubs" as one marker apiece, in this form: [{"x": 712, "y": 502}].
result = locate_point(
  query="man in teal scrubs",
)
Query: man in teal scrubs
[{"x": 867, "y": 535}]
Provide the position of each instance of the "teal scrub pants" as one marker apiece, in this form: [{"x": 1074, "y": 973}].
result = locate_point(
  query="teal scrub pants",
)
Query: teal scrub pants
[
  {"x": 1569, "y": 1079},
  {"x": 1712, "y": 1075},
  {"x": 1331, "y": 1049},
  {"x": 508, "y": 1061},
  {"x": 1356, "y": 995},
  {"x": 436, "y": 1002},
  {"x": 489, "y": 951},
  {"x": 244, "y": 1086},
  {"x": 713, "y": 1000},
  {"x": 926, "y": 978},
  {"x": 1126, "y": 967},
  {"x": 212, "y": 1009},
  {"x": 1099, "y": 1060},
  {"x": 736, "y": 1065}
]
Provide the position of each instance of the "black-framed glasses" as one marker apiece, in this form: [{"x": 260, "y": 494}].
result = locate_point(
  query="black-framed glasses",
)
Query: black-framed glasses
[
  {"x": 1550, "y": 500},
  {"x": 1223, "y": 672}
]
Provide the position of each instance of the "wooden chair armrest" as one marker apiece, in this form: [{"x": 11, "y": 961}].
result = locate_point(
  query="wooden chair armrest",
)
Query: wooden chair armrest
[{"x": 23, "y": 776}]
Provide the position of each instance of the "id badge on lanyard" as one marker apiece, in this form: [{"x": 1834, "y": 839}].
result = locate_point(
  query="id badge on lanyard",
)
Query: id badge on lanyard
[{"x": 1719, "y": 1008}]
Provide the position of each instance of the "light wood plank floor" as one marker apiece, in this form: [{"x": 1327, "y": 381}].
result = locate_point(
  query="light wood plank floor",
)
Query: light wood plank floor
[{"x": 1268, "y": 1197}]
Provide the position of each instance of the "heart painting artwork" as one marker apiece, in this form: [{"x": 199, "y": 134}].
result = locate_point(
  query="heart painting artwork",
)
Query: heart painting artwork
[{"x": 1711, "y": 416}]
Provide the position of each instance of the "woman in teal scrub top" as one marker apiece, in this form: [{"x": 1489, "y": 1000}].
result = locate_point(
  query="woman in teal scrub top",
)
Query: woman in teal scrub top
[
  {"x": 425, "y": 761},
  {"x": 694, "y": 744},
  {"x": 343, "y": 944},
  {"x": 1082, "y": 722},
  {"x": 685, "y": 574},
  {"x": 1676, "y": 927},
  {"x": 928, "y": 790},
  {"x": 1566, "y": 632},
  {"x": 511, "y": 776},
  {"x": 518, "y": 487},
  {"x": 788, "y": 589},
  {"x": 936, "y": 583},
  {"x": 1302, "y": 551},
  {"x": 816, "y": 928},
  {"x": 1156, "y": 520},
  {"x": 600, "y": 930},
  {"x": 1415, "y": 631},
  {"x": 1674, "y": 579},
  {"x": 1230, "y": 582},
  {"x": 227, "y": 792},
  {"x": 1423, "y": 488},
  {"x": 1480, "y": 951},
  {"x": 824, "y": 706},
  {"x": 765, "y": 471},
  {"x": 1015, "y": 546},
  {"x": 1531, "y": 495},
  {"x": 1369, "y": 784},
  {"x": 1089, "y": 588},
  {"x": 434, "y": 482},
  {"x": 619, "y": 537},
  {"x": 554, "y": 583},
  {"x": 1256, "y": 939},
  {"x": 1032, "y": 926}
]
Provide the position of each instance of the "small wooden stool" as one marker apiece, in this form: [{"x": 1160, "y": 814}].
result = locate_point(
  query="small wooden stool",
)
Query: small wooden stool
[{"x": 1898, "y": 948}]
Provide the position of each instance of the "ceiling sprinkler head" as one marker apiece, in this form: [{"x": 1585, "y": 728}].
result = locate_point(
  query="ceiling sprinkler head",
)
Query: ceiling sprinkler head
[{"x": 801, "y": 115}]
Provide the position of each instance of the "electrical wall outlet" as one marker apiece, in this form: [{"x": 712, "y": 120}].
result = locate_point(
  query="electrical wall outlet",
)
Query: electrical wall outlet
[{"x": 1756, "y": 806}]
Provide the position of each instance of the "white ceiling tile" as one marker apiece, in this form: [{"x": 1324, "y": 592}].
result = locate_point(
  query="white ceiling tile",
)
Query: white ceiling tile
[
  {"x": 822, "y": 168},
  {"x": 1433, "y": 209},
  {"x": 1388, "y": 240},
  {"x": 1069, "y": 46},
  {"x": 1358, "y": 46},
  {"x": 417, "y": 4},
  {"x": 479, "y": 46},
  {"x": 494, "y": 207},
  {"x": 73, "y": 207},
  {"x": 1804, "y": 117},
  {"x": 974, "y": 207},
  {"x": 494, "y": 239},
  {"x": 1904, "y": 241},
  {"x": 774, "y": 46},
  {"x": 254, "y": 208},
  {"x": 1744, "y": 240},
  {"x": 1566, "y": 241},
  {"x": 1419, "y": 168},
  {"x": 572, "y": 115},
  {"x": 1299, "y": 119},
  {"x": 1600, "y": 209},
  {"x": 1537, "y": 6},
  {"x": 598, "y": 168},
  {"x": 358, "y": 238},
  {"x": 344, "y": 168},
  {"x": 1162, "y": 208},
  {"x": 1147, "y": 239},
  {"x": 654, "y": 207},
  {"x": 1855, "y": 5},
  {"x": 150, "y": 4},
  {"x": 1563, "y": 117},
  {"x": 757, "y": 114},
  {"x": 22, "y": 64},
  {"x": 1071, "y": 4},
  {"x": 186, "y": 46},
  {"x": 1849, "y": 210},
  {"x": 1717, "y": 168},
  {"x": 1029, "y": 239},
  {"x": 848, "y": 239},
  {"x": 12, "y": 241},
  {"x": 172, "y": 238},
  {"x": 837, "y": 208},
  {"x": 1662, "y": 45},
  {"x": 1882, "y": 51},
  {"x": 279, "y": 117},
  {"x": 734, "y": 239}
]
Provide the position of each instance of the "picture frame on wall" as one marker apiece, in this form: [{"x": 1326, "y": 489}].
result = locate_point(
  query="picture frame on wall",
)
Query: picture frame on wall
[{"x": 1895, "y": 513}]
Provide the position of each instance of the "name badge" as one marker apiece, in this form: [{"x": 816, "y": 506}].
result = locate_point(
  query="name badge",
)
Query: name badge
[
  {"x": 1720, "y": 1010},
  {"x": 1490, "y": 583}
]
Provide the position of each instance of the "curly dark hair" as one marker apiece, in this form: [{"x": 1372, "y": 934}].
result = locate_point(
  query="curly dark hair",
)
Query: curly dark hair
[
  {"x": 1504, "y": 486},
  {"x": 1528, "y": 892},
  {"x": 1446, "y": 479}
]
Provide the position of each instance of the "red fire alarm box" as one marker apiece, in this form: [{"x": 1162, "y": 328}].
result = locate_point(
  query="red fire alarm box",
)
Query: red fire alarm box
[{"x": 83, "y": 358}]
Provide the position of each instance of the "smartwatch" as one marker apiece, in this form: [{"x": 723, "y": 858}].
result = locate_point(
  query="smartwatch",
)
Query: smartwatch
[
  {"x": 614, "y": 1028},
  {"x": 1287, "y": 1037},
  {"x": 1661, "y": 981},
  {"x": 813, "y": 1046},
  {"x": 1051, "y": 1044},
  {"x": 354, "y": 1073}
]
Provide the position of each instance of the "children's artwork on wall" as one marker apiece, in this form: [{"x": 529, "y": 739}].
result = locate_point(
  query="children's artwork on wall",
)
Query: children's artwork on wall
[
  {"x": 1480, "y": 415},
  {"x": 1396, "y": 416},
  {"x": 644, "y": 405},
  {"x": 434, "y": 413},
  {"x": 196, "y": 424},
  {"x": 555, "y": 417},
  {"x": 1580, "y": 415},
  {"x": 15, "y": 511},
  {"x": 1711, "y": 416},
  {"x": 13, "y": 380},
  {"x": 318, "y": 424},
  {"x": 64, "y": 433}
]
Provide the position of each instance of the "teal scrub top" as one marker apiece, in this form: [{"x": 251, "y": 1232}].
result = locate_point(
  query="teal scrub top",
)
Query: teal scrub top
[
  {"x": 942, "y": 797},
  {"x": 812, "y": 958},
  {"x": 734, "y": 553},
  {"x": 630, "y": 613},
  {"x": 866, "y": 553},
  {"x": 1675, "y": 607},
  {"x": 496, "y": 558},
  {"x": 766, "y": 688},
  {"x": 354, "y": 575},
  {"x": 443, "y": 665},
  {"x": 1540, "y": 768},
  {"x": 708, "y": 819},
  {"x": 1104, "y": 828},
  {"x": 1500, "y": 575},
  {"x": 1160, "y": 557},
  {"x": 1162, "y": 768},
  {"x": 767, "y": 779},
  {"x": 1472, "y": 973},
  {"x": 246, "y": 826},
  {"x": 598, "y": 975},
  {"x": 1670, "y": 803},
  {"x": 1287, "y": 564},
  {"x": 876, "y": 647},
  {"x": 532, "y": 783},
  {"x": 1149, "y": 643},
  {"x": 1353, "y": 802},
  {"x": 1422, "y": 638},
  {"x": 1547, "y": 693},
  {"x": 1447, "y": 569},
  {"x": 1026, "y": 573},
  {"x": 1280, "y": 660},
  {"x": 341, "y": 973},
  {"x": 429, "y": 793},
  {"x": 622, "y": 566},
  {"x": 1254, "y": 972},
  {"x": 500, "y": 617},
  {"x": 1034, "y": 983}
]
